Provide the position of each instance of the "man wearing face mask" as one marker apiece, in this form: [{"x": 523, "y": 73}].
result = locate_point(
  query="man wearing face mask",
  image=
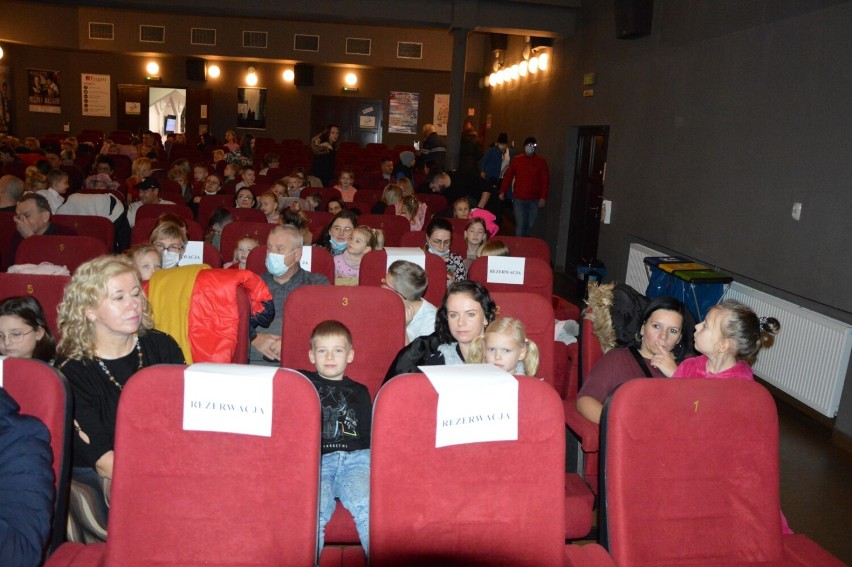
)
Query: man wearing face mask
[
  {"x": 492, "y": 168},
  {"x": 283, "y": 275},
  {"x": 530, "y": 174}
]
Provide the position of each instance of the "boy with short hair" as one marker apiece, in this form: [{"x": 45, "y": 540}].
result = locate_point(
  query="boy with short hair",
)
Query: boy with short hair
[
  {"x": 346, "y": 427},
  {"x": 410, "y": 281}
]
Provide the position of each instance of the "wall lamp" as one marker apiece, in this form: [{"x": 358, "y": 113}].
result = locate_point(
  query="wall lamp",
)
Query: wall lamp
[{"x": 251, "y": 77}]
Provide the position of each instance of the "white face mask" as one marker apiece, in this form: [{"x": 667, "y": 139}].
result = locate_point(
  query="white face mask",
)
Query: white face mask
[
  {"x": 170, "y": 259},
  {"x": 529, "y": 149}
]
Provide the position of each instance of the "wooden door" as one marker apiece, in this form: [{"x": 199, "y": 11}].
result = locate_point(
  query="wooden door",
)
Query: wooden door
[
  {"x": 360, "y": 119},
  {"x": 587, "y": 195},
  {"x": 132, "y": 108}
]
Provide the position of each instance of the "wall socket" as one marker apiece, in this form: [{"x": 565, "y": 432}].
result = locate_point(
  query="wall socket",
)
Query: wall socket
[{"x": 797, "y": 211}]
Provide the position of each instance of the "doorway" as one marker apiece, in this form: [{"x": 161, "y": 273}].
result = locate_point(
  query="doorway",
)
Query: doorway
[
  {"x": 587, "y": 196},
  {"x": 360, "y": 119},
  {"x": 166, "y": 111},
  {"x": 133, "y": 100}
]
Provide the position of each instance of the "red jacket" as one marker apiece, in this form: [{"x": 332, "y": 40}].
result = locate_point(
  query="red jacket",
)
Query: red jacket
[{"x": 531, "y": 176}]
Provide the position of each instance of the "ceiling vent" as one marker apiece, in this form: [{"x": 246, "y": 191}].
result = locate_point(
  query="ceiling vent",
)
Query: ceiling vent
[
  {"x": 203, "y": 36},
  {"x": 409, "y": 50},
  {"x": 152, "y": 34},
  {"x": 358, "y": 46},
  {"x": 306, "y": 42},
  {"x": 101, "y": 30},
  {"x": 255, "y": 39}
]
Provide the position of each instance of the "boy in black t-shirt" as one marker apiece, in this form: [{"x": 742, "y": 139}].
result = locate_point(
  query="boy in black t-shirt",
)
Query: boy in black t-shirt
[{"x": 346, "y": 424}]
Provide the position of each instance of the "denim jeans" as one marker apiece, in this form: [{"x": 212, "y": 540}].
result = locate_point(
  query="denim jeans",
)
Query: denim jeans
[
  {"x": 526, "y": 211},
  {"x": 345, "y": 475}
]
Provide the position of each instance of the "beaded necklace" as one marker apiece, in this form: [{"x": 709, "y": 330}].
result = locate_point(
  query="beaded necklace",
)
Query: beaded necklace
[{"x": 109, "y": 374}]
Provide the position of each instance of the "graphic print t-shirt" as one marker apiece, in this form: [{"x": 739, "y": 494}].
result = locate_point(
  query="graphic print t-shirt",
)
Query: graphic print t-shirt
[{"x": 346, "y": 413}]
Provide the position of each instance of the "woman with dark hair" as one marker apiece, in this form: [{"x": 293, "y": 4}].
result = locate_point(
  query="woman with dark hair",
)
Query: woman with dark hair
[
  {"x": 324, "y": 147},
  {"x": 247, "y": 146},
  {"x": 464, "y": 314},
  {"x": 23, "y": 330},
  {"x": 335, "y": 236},
  {"x": 661, "y": 333},
  {"x": 439, "y": 236}
]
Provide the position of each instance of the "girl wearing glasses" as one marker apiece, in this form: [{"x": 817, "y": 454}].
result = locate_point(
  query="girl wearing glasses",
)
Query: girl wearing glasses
[
  {"x": 23, "y": 330},
  {"x": 335, "y": 237}
]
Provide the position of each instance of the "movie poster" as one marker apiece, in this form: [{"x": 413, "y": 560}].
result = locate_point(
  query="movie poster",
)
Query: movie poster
[
  {"x": 44, "y": 91},
  {"x": 5, "y": 100},
  {"x": 442, "y": 113},
  {"x": 251, "y": 108},
  {"x": 403, "y": 112}
]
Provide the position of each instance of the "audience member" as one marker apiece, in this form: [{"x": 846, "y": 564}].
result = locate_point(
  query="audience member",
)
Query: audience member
[
  {"x": 231, "y": 141},
  {"x": 283, "y": 275},
  {"x": 409, "y": 281},
  {"x": 107, "y": 336},
  {"x": 335, "y": 236},
  {"x": 11, "y": 189},
  {"x": 347, "y": 265},
  {"x": 146, "y": 258},
  {"x": 465, "y": 312},
  {"x": 661, "y": 332},
  {"x": 220, "y": 218},
  {"x": 346, "y": 427},
  {"x": 149, "y": 194},
  {"x": 241, "y": 253},
  {"x": 335, "y": 205},
  {"x": 270, "y": 161},
  {"x": 248, "y": 178},
  {"x": 345, "y": 185},
  {"x": 169, "y": 238},
  {"x": 244, "y": 199},
  {"x": 23, "y": 330},
  {"x": 57, "y": 185},
  {"x": 268, "y": 204},
  {"x": 433, "y": 147},
  {"x": 298, "y": 220},
  {"x": 475, "y": 236},
  {"x": 32, "y": 217},
  {"x": 506, "y": 346},
  {"x": 439, "y": 236},
  {"x": 324, "y": 147}
]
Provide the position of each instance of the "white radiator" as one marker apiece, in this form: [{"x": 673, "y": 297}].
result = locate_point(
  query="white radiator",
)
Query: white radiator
[{"x": 811, "y": 353}]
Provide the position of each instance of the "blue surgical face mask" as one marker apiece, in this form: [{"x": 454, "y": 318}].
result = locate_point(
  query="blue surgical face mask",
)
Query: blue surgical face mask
[
  {"x": 170, "y": 259},
  {"x": 276, "y": 265},
  {"x": 338, "y": 246},
  {"x": 438, "y": 252}
]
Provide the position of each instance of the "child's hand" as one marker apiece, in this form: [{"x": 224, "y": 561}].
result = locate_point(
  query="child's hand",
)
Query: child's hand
[{"x": 664, "y": 362}]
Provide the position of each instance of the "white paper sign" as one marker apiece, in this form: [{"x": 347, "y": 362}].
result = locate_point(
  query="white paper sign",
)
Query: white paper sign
[
  {"x": 307, "y": 256},
  {"x": 476, "y": 403},
  {"x": 413, "y": 255},
  {"x": 505, "y": 269},
  {"x": 229, "y": 398},
  {"x": 132, "y": 108},
  {"x": 194, "y": 253},
  {"x": 2, "y": 358},
  {"x": 96, "y": 94}
]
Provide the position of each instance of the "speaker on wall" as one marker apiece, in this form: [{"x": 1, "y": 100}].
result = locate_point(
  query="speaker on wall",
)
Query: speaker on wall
[
  {"x": 303, "y": 75},
  {"x": 633, "y": 18},
  {"x": 196, "y": 69}
]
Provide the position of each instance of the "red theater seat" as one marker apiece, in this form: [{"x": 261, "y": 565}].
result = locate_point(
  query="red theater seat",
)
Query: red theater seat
[
  {"x": 538, "y": 278},
  {"x": 692, "y": 477},
  {"x": 374, "y": 268},
  {"x": 48, "y": 290},
  {"x": 42, "y": 392},
  {"x": 69, "y": 251},
  {"x": 89, "y": 225},
  {"x": 235, "y": 231},
  {"x": 207, "y": 498},
  {"x": 490, "y": 503}
]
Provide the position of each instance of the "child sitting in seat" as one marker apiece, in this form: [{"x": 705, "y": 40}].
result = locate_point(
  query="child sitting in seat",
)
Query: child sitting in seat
[
  {"x": 344, "y": 185},
  {"x": 728, "y": 339},
  {"x": 146, "y": 258},
  {"x": 506, "y": 346},
  {"x": 346, "y": 428},
  {"x": 248, "y": 176},
  {"x": 347, "y": 265},
  {"x": 268, "y": 204},
  {"x": 410, "y": 281},
  {"x": 241, "y": 253},
  {"x": 57, "y": 185}
]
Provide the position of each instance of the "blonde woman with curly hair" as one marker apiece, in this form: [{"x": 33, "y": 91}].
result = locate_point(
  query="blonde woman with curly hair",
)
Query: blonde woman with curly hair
[{"x": 107, "y": 336}]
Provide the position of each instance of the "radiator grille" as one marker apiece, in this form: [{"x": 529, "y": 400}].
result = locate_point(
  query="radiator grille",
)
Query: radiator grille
[
  {"x": 101, "y": 30},
  {"x": 811, "y": 353},
  {"x": 409, "y": 50},
  {"x": 303, "y": 42},
  {"x": 152, "y": 34},
  {"x": 358, "y": 46},
  {"x": 255, "y": 39},
  {"x": 203, "y": 36}
]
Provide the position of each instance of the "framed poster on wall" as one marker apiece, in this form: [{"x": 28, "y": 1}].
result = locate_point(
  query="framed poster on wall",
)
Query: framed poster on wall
[
  {"x": 442, "y": 113},
  {"x": 44, "y": 91},
  {"x": 96, "y": 94},
  {"x": 403, "y": 112},
  {"x": 251, "y": 108}
]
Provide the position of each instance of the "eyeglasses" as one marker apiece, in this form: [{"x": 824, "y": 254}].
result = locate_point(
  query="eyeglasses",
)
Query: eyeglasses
[
  {"x": 14, "y": 337},
  {"x": 171, "y": 248},
  {"x": 343, "y": 229},
  {"x": 439, "y": 243},
  {"x": 211, "y": 182}
]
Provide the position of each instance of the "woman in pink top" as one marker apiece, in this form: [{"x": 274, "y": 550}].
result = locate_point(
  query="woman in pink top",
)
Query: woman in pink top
[{"x": 728, "y": 339}]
